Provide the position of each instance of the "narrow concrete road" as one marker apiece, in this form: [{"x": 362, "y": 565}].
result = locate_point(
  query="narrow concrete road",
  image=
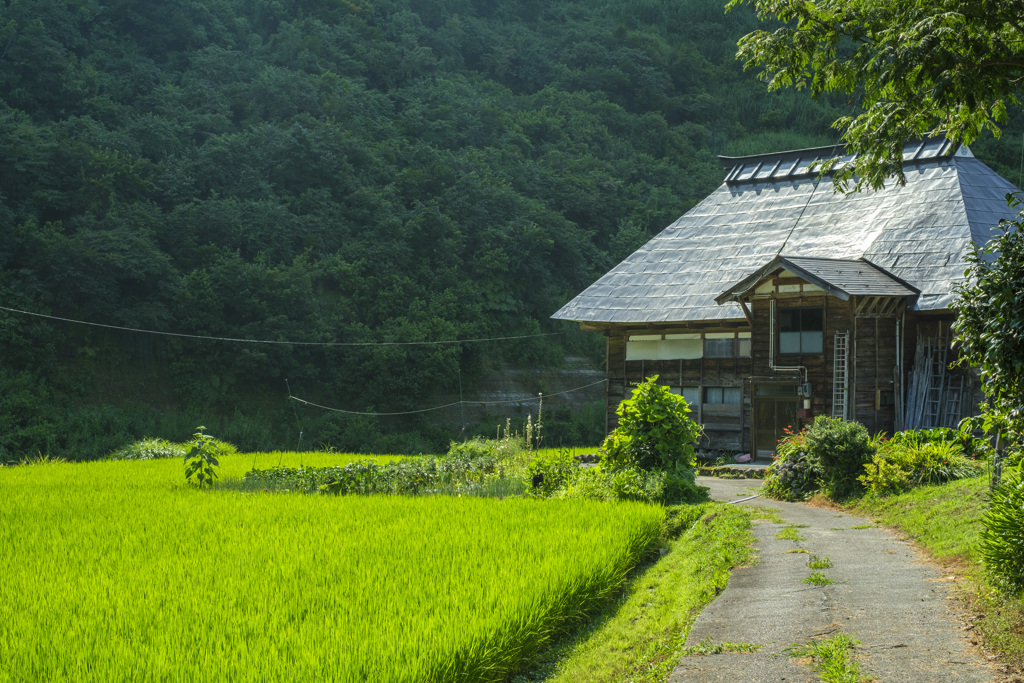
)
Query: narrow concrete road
[{"x": 883, "y": 594}]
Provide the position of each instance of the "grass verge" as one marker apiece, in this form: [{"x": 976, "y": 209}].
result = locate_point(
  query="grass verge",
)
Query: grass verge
[
  {"x": 946, "y": 520},
  {"x": 641, "y": 635}
]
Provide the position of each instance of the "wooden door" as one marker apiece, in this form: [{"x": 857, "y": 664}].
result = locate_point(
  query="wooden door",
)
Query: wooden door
[{"x": 774, "y": 408}]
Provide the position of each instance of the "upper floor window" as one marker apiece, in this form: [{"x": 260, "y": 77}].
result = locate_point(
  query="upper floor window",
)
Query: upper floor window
[
  {"x": 727, "y": 345},
  {"x": 801, "y": 330}
]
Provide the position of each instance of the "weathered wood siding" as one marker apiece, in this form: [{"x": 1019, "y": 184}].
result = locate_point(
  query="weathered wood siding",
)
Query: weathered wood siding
[
  {"x": 724, "y": 424},
  {"x": 874, "y": 385},
  {"x": 920, "y": 325},
  {"x": 875, "y": 373}
]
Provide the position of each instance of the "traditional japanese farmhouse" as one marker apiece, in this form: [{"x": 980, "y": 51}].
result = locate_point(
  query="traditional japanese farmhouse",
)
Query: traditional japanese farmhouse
[{"x": 777, "y": 299}]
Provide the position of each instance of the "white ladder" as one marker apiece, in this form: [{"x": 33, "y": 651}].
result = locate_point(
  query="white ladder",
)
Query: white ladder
[{"x": 840, "y": 374}]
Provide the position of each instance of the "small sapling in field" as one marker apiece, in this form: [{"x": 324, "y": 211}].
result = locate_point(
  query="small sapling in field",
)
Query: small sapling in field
[{"x": 201, "y": 459}]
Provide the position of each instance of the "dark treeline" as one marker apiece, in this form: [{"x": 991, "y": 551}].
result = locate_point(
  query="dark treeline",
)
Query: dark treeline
[{"x": 326, "y": 170}]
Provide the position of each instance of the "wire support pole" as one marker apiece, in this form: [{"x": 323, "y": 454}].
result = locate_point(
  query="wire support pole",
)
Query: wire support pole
[{"x": 539, "y": 398}]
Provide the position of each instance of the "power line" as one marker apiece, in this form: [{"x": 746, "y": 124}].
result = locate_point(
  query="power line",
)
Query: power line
[
  {"x": 275, "y": 341},
  {"x": 447, "y": 405}
]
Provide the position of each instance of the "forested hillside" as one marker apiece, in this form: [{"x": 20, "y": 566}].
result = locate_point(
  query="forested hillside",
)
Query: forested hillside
[{"x": 335, "y": 171}]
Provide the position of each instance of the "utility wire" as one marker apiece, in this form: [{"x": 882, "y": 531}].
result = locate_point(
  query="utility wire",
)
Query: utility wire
[
  {"x": 447, "y": 405},
  {"x": 280, "y": 342}
]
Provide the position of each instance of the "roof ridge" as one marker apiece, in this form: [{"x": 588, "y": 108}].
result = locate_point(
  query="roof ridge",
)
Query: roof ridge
[{"x": 798, "y": 163}]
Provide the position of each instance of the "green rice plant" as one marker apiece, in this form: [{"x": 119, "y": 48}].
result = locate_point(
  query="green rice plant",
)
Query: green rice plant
[
  {"x": 117, "y": 571},
  {"x": 236, "y": 467},
  {"x": 43, "y": 459}
]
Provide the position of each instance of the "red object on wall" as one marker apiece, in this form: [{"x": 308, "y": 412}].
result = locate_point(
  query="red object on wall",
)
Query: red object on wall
[{"x": 803, "y": 413}]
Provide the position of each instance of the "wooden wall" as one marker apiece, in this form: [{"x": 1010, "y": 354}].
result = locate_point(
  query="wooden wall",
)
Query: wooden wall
[
  {"x": 937, "y": 326},
  {"x": 818, "y": 366},
  {"x": 724, "y": 424},
  {"x": 872, "y": 366}
]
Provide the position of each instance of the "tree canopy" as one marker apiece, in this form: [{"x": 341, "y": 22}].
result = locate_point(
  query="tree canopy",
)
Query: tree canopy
[
  {"x": 989, "y": 324},
  {"x": 914, "y": 67},
  {"x": 328, "y": 171}
]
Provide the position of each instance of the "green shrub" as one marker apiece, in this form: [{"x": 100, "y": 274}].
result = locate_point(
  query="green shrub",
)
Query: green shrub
[
  {"x": 149, "y": 449},
  {"x": 681, "y": 488},
  {"x": 837, "y": 451},
  {"x": 885, "y": 476},
  {"x": 914, "y": 458},
  {"x": 655, "y": 432},
  {"x": 589, "y": 483},
  {"x": 475, "y": 449},
  {"x": 634, "y": 484},
  {"x": 201, "y": 459},
  {"x": 630, "y": 483},
  {"x": 627, "y": 483},
  {"x": 551, "y": 470},
  {"x": 1002, "y": 539}
]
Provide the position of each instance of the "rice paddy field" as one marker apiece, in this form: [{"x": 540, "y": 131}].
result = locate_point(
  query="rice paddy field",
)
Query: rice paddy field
[{"x": 115, "y": 570}]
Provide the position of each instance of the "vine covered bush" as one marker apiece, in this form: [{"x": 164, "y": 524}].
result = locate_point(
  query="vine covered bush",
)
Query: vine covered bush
[
  {"x": 655, "y": 431},
  {"x": 827, "y": 456},
  {"x": 791, "y": 476}
]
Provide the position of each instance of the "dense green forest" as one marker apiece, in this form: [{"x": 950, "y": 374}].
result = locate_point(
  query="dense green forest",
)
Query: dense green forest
[{"x": 327, "y": 171}]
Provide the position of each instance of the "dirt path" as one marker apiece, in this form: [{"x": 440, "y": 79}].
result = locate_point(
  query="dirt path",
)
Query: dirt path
[{"x": 884, "y": 595}]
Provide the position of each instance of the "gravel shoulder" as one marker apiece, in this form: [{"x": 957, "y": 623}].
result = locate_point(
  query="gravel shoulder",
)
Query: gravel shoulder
[{"x": 883, "y": 594}]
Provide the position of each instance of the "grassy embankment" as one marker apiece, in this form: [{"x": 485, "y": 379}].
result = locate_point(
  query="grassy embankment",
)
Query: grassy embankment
[
  {"x": 946, "y": 520},
  {"x": 641, "y": 634}
]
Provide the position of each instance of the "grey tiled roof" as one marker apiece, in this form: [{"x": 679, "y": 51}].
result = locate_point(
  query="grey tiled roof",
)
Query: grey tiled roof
[{"x": 919, "y": 233}]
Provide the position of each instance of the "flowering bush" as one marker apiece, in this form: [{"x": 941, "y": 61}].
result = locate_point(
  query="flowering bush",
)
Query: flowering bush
[{"x": 791, "y": 476}]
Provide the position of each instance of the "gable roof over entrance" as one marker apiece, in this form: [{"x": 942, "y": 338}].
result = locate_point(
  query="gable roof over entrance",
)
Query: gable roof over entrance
[
  {"x": 842, "y": 278},
  {"x": 774, "y": 206}
]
